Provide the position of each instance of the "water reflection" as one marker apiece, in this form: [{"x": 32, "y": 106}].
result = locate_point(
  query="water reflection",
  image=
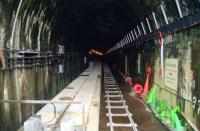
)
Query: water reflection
[{"x": 40, "y": 83}]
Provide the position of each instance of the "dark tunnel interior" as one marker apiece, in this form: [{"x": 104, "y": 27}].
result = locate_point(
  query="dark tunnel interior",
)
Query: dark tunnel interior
[
  {"x": 96, "y": 24},
  {"x": 47, "y": 44}
]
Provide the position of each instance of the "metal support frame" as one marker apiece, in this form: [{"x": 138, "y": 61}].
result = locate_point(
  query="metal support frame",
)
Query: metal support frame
[
  {"x": 123, "y": 41},
  {"x": 139, "y": 32},
  {"x": 147, "y": 20},
  {"x": 143, "y": 28},
  {"x": 128, "y": 38},
  {"x": 126, "y": 41},
  {"x": 132, "y": 35},
  {"x": 179, "y": 8},
  {"x": 135, "y": 33},
  {"x": 183, "y": 23},
  {"x": 155, "y": 20},
  {"x": 164, "y": 14}
]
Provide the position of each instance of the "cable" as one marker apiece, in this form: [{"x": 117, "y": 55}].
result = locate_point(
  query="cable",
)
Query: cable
[
  {"x": 54, "y": 117},
  {"x": 173, "y": 93}
]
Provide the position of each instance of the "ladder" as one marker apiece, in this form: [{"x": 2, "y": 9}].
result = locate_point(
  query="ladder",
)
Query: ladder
[{"x": 112, "y": 91}]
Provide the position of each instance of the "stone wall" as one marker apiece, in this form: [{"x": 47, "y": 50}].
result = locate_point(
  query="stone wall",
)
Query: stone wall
[{"x": 182, "y": 48}]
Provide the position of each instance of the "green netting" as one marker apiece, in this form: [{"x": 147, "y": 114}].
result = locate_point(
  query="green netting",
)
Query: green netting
[{"x": 164, "y": 112}]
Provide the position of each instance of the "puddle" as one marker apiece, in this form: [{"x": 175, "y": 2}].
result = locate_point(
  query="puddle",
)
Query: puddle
[
  {"x": 65, "y": 98},
  {"x": 70, "y": 87}
]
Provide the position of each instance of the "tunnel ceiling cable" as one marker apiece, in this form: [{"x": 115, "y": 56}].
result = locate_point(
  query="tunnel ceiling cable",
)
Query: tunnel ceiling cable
[{"x": 53, "y": 118}]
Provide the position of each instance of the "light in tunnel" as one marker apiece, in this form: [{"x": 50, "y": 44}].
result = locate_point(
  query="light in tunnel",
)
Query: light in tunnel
[{"x": 95, "y": 52}]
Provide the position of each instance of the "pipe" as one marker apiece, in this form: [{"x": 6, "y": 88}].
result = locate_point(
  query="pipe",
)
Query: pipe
[
  {"x": 155, "y": 20},
  {"x": 179, "y": 8},
  {"x": 164, "y": 14},
  {"x": 14, "y": 25},
  {"x": 143, "y": 28},
  {"x": 139, "y": 32},
  {"x": 147, "y": 20},
  {"x": 132, "y": 35},
  {"x": 135, "y": 33}
]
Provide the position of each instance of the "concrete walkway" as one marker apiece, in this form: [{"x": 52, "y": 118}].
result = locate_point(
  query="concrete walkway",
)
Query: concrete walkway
[{"x": 83, "y": 115}]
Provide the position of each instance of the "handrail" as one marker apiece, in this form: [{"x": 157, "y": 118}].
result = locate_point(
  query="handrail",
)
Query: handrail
[{"x": 41, "y": 101}]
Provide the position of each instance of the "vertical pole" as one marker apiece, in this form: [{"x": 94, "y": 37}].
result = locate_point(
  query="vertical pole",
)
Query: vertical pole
[
  {"x": 138, "y": 62},
  {"x": 147, "y": 20},
  {"x": 126, "y": 65},
  {"x": 164, "y": 14},
  {"x": 179, "y": 8},
  {"x": 143, "y": 28},
  {"x": 155, "y": 20}
]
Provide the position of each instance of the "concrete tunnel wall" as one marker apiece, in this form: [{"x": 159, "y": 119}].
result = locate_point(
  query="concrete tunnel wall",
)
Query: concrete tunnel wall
[{"x": 34, "y": 32}]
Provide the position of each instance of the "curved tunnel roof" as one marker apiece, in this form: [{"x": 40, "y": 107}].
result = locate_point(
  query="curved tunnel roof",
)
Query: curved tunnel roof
[
  {"x": 99, "y": 24},
  {"x": 91, "y": 23}
]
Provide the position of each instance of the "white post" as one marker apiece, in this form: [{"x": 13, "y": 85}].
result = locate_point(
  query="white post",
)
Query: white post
[{"x": 14, "y": 25}]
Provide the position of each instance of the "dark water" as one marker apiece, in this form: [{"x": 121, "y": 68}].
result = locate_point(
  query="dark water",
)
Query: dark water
[{"x": 40, "y": 83}]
